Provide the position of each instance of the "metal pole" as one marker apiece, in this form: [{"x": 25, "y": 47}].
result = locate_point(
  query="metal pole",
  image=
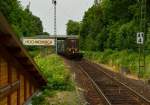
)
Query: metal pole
[
  {"x": 142, "y": 29},
  {"x": 55, "y": 25}
]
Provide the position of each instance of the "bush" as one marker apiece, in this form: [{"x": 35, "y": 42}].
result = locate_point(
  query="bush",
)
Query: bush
[
  {"x": 120, "y": 59},
  {"x": 54, "y": 70}
]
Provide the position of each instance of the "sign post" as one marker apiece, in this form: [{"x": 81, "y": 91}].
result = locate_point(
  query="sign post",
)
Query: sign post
[
  {"x": 140, "y": 42},
  {"x": 140, "y": 38}
]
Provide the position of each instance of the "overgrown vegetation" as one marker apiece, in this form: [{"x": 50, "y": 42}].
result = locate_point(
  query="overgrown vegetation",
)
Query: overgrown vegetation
[
  {"x": 119, "y": 60},
  {"x": 113, "y": 24},
  {"x": 22, "y": 20},
  {"x": 58, "y": 76},
  {"x": 54, "y": 70},
  {"x": 73, "y": 28}
]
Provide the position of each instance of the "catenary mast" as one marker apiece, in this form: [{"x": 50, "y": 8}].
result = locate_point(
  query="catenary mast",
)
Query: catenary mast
[
  {"x": 54, "y": 2},
  {"x": 97, "y": 1}
]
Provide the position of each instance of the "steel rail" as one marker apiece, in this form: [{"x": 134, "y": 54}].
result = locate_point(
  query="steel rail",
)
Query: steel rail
[{"x": 127, "y": 87}]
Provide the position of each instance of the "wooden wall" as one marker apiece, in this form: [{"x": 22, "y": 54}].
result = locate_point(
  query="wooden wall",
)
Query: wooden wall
[
  {"x": 3, "y": 79},
  {"x": 18, "y": 94},
  {"x": 3, "y": 73},
  {"x": 22, "y": 89}
]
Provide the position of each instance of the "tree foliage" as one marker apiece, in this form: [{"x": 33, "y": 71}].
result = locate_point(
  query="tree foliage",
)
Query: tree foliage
[
  {"x": 73, "y": 27},
  {"x": 112, "y": 24},
  {"x": 22, "y": 20}
]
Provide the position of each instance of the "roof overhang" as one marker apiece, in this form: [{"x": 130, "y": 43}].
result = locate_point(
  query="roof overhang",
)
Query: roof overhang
[
  {"x": 11, "y": 45},
  {"x": 59, "y": 37}
]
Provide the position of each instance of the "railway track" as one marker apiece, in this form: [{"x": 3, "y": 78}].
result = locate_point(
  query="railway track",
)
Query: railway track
[{"x": 110, "y": 89}]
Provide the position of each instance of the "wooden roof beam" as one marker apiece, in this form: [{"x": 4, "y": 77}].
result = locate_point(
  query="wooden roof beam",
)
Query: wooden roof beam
[
  {"x": 5, "y": 38},
  {"x": 29, "y": 68},
  {"x": 13, "y": 49}
]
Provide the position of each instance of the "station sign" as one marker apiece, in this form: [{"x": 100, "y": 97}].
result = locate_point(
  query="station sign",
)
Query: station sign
[
  {"x": 140, "y": 38},
  {"x": 38, "y": 42}
]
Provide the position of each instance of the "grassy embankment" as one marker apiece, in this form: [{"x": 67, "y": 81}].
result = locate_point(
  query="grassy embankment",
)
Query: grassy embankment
[
  {"x": 122, "y": 59},
  {"x": 59, "y": 85}
]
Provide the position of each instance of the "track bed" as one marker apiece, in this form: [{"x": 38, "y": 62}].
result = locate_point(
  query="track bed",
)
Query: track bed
[{"x": 110, "y": 90}]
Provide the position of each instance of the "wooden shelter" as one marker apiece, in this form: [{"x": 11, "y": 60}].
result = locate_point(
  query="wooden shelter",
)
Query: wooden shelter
[{"x": 19, "y": 75}]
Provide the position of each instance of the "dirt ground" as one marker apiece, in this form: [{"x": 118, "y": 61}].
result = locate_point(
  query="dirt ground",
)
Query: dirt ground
[{"x": 64, "y": 98}]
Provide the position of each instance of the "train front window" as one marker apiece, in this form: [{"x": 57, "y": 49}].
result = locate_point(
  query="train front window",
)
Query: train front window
[{"x": 73, "y": 43}]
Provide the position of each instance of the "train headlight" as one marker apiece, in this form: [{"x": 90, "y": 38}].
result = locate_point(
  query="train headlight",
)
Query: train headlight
[
  {"x": 69, "y": 49},
  {"x": 76, "y": 49}
]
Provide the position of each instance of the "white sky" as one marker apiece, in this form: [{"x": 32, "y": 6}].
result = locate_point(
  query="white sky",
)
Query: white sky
[{"x": 66, "y": 9}]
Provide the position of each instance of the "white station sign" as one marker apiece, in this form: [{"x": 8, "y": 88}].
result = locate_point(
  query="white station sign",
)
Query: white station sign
[
  {"x": 38, "y": 42},
  {"x": 140, "y": 38}
]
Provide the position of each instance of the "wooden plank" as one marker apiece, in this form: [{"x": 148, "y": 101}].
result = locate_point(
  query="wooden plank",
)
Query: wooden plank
[
  {"x": 18, "y": 90},
  {"x": 10, "y": 82},
  {"x": 21, "y": 89},
  {"x": 4, "y": 73},
  {"x": 28, "y": 95},
  {"x": 30, "y": 89},
  {"x": 0, "y": 72},
  {"x": 5, "y": 91},
  {"x": 14, "y": 98},
  {"x": 14, "y": 74},
  {"x": 3, "y": 101},
  {"x": 25, "y": 89},
  {"x": 9, "y": 74}
]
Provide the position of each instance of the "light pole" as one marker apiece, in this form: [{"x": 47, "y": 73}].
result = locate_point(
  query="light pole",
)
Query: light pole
[
  {"x": 142, "y": 30},
  {"x": 28, "y": 6},
  {"x": 54, "y": 2}
]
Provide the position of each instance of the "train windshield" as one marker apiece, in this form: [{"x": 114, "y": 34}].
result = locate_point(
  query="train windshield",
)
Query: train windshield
[{"x": 73, "y": 43}]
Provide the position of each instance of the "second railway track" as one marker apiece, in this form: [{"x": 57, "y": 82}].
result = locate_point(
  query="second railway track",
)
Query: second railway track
[{"x": 112, "y": 90}]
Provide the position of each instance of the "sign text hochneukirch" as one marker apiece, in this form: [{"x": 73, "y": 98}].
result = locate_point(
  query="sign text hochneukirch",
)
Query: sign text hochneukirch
[{"x": 38, "y": 42}]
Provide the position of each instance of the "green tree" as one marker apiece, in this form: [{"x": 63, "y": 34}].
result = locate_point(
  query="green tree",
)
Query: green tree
[
  {"x": 113, "y": 24},
  {"x": 22, "y": 21},
  {"x": 73, "y": 28}
]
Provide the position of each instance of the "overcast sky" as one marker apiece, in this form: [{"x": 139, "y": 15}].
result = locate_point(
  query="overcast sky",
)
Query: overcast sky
[{"x": 66, "y": 9}]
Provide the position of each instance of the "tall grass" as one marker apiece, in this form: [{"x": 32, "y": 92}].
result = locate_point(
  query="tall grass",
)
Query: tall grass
[
  {"x": 53, "y": 69},
  {"x": 121, "y": 59},
  {"x": 58, "y": 76}
]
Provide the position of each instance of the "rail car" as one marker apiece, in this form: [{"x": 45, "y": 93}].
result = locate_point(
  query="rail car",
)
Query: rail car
[{"x": 69, "y": 48}]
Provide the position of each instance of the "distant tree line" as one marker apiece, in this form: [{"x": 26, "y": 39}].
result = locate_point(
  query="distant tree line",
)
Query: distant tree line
[
  {"x": 23, "y": 22},
  {"x": 112, "y": 24}
]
